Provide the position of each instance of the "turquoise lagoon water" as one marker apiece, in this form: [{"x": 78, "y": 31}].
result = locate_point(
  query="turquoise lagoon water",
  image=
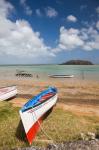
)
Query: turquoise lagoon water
[{"x": 90, "y": 72}]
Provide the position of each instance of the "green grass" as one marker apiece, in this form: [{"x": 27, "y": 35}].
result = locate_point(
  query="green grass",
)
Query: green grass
[{"x": 60, "y": 125}]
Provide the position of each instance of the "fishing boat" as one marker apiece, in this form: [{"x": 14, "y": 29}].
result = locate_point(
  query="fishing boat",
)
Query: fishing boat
[
  {"x": 33, "y": 111},
  {"x": 7, "y": 92},
  {"x": 61, "y": 76}
]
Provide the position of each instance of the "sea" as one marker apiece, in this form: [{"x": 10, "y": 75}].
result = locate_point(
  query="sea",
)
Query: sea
[{"x": 87, "y": 72}]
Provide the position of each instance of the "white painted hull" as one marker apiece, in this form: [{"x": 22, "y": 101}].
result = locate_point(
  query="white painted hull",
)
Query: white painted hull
[
  {"x": 30, "y": 117},
  {"x": 7, "y": 92},
  {"x": 61, "y": 76}
]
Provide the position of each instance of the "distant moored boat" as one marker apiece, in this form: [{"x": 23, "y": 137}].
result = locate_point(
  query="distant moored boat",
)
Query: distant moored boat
[
  {"x": 7, "y": 92},
  {"x": 61, "y": 76}
]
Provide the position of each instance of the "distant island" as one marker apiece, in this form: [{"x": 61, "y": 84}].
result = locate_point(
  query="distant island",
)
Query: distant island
[{"x": 77, "y": 62}]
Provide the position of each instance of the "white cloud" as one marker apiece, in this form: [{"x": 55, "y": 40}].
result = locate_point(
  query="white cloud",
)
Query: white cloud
[
  {"x": 5, "y": 9},
  {"x": 97, "y": 25},
  {"x": 85, "y": 38},
  {"x": 51, "y": 12},
  {"x": 23, "y": 41},
  {"x": 27, "y": 8},
  {"x": 48, "y": 11},
  {"x": 97, "y": 9},
  {"x": 38, "y": 12},
  {"x": 71, "y": 18},
  {"x": 82, "y": 7},
  {"x": 69, "y": 38},
  {"x": 18, "y": 38},
  {"x": 22, "y": 1}
]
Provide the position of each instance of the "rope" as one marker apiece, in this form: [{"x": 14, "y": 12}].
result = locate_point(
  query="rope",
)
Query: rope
[{"x": 45, "y": 133}]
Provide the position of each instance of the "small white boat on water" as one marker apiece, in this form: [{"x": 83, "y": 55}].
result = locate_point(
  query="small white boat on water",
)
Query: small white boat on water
[
  {"x": 33, "y": 111},
  {"x": 7, "y": 92},
  {"x": 61, "y": 76}
]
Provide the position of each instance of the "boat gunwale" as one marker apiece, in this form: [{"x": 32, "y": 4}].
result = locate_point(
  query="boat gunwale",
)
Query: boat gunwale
[
  {"x": 39, "y": 103},
  {"x": 8, "y": 91}
]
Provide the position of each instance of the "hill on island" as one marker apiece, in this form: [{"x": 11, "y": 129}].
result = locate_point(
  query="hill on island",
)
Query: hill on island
[{"x": 77, "y": 62}]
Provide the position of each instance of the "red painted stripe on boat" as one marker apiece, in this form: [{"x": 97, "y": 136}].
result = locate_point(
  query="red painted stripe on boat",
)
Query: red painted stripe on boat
[
  {"x": 43, "y": 98},
  {"x": 33, "y": 131}
]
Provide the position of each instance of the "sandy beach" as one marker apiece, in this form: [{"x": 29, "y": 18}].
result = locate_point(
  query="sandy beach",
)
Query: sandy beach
[{"x": 78, "y": 96}]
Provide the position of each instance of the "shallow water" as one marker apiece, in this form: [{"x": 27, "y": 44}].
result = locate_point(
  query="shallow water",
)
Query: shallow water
[{"x": 88, "y": 72}]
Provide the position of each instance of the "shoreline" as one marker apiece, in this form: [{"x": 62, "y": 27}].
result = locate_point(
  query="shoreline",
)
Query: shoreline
[{"x": 41, "y": 72}]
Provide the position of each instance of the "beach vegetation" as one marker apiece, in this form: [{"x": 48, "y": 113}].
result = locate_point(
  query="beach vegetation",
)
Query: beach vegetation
[{"x": 60, "y": 126}]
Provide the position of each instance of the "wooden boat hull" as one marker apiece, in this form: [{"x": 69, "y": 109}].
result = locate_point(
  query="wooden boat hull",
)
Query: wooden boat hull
[
  {"x": 7, "y": 92},
  {"x": 33, "y": 117}
]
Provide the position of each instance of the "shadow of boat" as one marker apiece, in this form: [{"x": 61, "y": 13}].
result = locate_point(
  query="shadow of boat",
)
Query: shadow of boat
[
  {"x": 11, "y": 98},
  {"x": 20, "y": 132}
]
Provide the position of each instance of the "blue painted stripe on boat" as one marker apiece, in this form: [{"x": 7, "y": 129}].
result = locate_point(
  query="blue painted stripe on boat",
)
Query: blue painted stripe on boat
[{"x": 36, "y": 99}]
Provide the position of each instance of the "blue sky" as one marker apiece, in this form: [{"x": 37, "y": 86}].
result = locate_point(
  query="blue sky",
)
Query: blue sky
[{"x": 46, "y": 31}]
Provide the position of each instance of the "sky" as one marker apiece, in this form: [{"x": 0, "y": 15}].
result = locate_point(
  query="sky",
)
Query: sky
[{"x": 48, "y": 31}]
